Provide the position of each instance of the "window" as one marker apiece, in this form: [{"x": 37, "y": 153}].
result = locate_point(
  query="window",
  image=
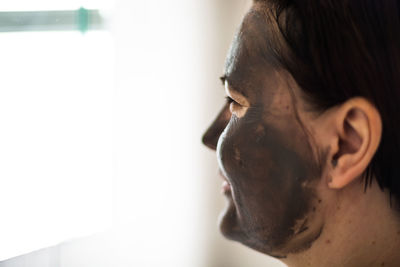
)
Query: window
[{"x": 57, "y": 79}]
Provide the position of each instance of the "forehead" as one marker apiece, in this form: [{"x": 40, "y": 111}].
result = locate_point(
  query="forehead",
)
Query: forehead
[{"x": 252, "y": 56}]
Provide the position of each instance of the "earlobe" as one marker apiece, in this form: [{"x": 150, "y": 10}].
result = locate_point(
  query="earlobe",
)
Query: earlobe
[{"x": 358, "y": 129}]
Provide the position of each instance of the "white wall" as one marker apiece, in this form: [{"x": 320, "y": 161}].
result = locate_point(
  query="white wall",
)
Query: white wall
[{"x": 169, "y": 55}]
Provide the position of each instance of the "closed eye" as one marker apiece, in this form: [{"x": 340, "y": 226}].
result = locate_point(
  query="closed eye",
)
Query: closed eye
[
  {"x": 235, "y": 108},
  {"x": 229, "y": 100}
]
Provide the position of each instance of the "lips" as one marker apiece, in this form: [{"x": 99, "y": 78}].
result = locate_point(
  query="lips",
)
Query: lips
[{"x": 226, "y": 186}]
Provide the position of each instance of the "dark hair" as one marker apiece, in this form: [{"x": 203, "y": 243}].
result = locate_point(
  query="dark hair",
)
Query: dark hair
[{"x": 339, "y": 49}]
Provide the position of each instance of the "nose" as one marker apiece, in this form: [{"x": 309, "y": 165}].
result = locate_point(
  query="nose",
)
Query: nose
[{"x": 211, "y": 136}]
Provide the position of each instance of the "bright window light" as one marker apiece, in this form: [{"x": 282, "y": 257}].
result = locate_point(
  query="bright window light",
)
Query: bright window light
[
  {"x": 24, "y": 5},
  {"x": 55, "y": 138}
]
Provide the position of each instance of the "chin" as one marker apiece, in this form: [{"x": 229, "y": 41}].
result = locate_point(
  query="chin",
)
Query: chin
[
  {"x": 232, "y": 228},
  {"x": 277, "y": 242},
  {"x": 228, "y": 221}
]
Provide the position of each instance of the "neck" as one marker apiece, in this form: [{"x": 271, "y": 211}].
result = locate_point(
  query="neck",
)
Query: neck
[{"x": 360, "y": 229}]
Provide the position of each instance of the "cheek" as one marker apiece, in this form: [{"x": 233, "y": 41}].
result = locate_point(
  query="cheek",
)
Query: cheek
[
  {"x": 266, "y": 170},
  {"x": 230, "y": 150},
  {"x": 271, "y": 170},
  {"x": 259, "y": 153}
]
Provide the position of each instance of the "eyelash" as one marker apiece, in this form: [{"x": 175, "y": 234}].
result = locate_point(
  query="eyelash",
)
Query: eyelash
[{"x": 229, "y": 100}]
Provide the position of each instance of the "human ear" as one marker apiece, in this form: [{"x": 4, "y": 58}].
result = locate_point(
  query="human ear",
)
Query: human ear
[{"x": 355, "y": 129}]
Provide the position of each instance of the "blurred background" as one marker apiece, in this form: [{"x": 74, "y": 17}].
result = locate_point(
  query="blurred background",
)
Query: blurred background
[{"x": 102, "y": 108}]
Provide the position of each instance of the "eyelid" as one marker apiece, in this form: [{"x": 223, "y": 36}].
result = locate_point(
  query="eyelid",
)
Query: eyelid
[
  {"x": 229, "y": 100},
  {"x": 238, "y": 98},
  {"x": 235, "y": 108},
  {"x": 233, "y": 105}
]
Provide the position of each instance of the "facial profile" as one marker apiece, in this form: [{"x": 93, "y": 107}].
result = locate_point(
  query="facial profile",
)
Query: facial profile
[
  {"x": 264, "y": 151},
  {"x": 307, "y": 141}
]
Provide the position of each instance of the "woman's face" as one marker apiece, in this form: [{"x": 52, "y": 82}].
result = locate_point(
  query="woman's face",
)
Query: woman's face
[{"x": 264, "y": 151}]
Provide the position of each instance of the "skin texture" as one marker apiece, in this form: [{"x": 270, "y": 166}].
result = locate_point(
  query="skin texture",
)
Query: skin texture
[
  {"x": 264, "y": 152},
  {"x": 296, "y": 190}
]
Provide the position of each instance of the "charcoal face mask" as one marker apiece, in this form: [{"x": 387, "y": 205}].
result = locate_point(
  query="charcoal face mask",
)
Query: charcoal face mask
[{"x": 264, "y": 152}]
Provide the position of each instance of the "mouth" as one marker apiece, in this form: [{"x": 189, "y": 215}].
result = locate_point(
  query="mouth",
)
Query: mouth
[{"x": 226, "y": 186}]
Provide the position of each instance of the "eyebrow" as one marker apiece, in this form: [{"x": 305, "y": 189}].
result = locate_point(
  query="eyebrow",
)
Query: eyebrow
[
  {"x": 223, "y": 78},
  {"x": 232, "y": 86}
]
